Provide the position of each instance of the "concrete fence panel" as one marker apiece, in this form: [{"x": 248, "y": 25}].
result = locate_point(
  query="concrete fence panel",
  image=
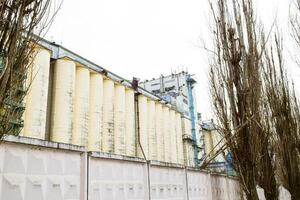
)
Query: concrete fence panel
[
  {"x": 38, "y": 172},
  {"x": 116, "y": 178},
  {"x": 32, "y": 169},
  {"x": 167, "y": 183},
  {"x": 199, "y": 185}
]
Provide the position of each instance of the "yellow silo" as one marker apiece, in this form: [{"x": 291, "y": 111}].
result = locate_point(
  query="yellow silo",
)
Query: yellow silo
[
  {"x": 173, "y": 137},
  {"x": 36, "y": 98},
  {"x": 152, "y": 143},
  {"x": 178, "y": 127},
  {"x": 62, "y": 100},
  {"x": 95, "y": 112},
  {"x": 119, "y": 120},
  {"x": 130, "y": 123},
  {"x": 108, "y": 116},
  {"x": 159, "y": 131},
  {"x": 81, "y": 107},
  {"x": 167, "y": 133},
  {"x": 143, "y": 130}
]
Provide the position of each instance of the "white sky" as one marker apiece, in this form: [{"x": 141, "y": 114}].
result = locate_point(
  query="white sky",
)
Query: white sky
[{"x": 146, "y": 38}]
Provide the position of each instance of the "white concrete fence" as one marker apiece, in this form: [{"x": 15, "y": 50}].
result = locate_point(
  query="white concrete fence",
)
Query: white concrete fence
[{"x": 32, "y": 169}]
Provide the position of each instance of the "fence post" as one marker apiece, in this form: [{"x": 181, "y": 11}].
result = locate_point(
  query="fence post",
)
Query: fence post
[
  {"x": 84, "y": 171},
  {"x": 186, "y": 183},
  {"x": 148, "y": 179}
]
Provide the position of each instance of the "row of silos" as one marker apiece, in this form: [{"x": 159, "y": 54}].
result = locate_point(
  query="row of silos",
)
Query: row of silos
[
  {"x": 160, "y": 136},
  {"x": 87, "y": 108}
]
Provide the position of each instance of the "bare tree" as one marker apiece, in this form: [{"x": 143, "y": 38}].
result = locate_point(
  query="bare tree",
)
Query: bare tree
[
  {"x": 295, "y": 21},
  {"x": 237, "y": 92},
  {"x": 21, "y": 22},
  {"x": 295, "y": 27},
  {"x": 285, "y": 120}
]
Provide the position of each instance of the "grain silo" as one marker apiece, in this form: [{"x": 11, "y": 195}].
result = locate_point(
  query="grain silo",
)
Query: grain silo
[
  {"x": 130, "y": 123},
  {"x": 173, "y": 138},
  {"x": 81, "y": 107},
  {"x": 143, "y": 130},
  {"x": 187, "y": 143},
  {"x": 187, "y": 127},
  {"x": 178, "y": 127},
  {"x": 119, "y": 120},
  {"x": 62, "y": 100},
  {"x": 167, "y": 132},
  {"x": 95, "y": 112},
  {"x": 36, "y": 98},
  {"x": 108, "y": 116},
  {"x": 152, "y": 143},
  {"x": 159, "y": 131}
]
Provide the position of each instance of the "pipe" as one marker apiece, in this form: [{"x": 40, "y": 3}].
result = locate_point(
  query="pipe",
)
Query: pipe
[
  {"x": 136, "y": 95},
  {"x": 192, "y": 115}
]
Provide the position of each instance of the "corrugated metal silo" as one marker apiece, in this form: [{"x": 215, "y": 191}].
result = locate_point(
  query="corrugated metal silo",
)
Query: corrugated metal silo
[
  {"x": 151, "y": 130},
  {"x": 108, "y": 116},
  {"x": 130, "y": 123},
  {"x": 159, "y": 131},
  {"x": 62, "y": 100},
  {"x": 95, "y": 112},
  {"x": 36, "y": 99},
  {"x": 142, "y": 114},
  {"x": 81, "y": 107},
  {"x": 119, "y": 120}
]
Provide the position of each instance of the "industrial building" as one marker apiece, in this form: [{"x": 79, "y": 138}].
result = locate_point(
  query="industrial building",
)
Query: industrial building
[
  {"x": 178, "y": 90},
  {"x": 89, "y": 134},
  {"x": 72, "y": 100}
]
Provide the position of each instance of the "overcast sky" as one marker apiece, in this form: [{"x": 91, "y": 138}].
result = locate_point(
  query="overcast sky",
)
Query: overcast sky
[{"x": 146, "y": 38}]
